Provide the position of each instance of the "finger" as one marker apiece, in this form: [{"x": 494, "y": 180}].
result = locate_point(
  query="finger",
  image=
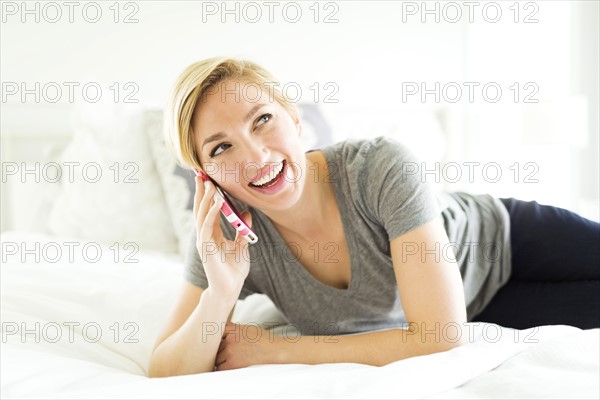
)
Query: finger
[
  {"x": 208, "y": 227},
  {"x": 217, "y": 220},
  {"x": 222, "y": 367},
  {"x": 200, "y": 189},
  {"x": 220, "y": 359},
  {"x": 230, "y": 328},
  {"x": 198, "y": 195},
  {"x": 205, "y": 203}
]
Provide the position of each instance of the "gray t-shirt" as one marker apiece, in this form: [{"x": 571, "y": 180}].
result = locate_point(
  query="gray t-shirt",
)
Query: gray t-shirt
[{"x": 377, "y": 202}]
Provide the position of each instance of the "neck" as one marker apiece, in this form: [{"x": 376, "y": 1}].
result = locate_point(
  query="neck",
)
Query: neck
[{"x": 310, "y": 216}]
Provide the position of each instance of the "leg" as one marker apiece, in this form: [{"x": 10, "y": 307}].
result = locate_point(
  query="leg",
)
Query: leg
[
  {"x": 555, "y": 275},
  {"x": 522, "y": 305}
]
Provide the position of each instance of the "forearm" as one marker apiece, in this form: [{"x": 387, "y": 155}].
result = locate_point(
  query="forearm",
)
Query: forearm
[
  {"x": 192, "y": 349},
  {"x": 372, "y": 348}
]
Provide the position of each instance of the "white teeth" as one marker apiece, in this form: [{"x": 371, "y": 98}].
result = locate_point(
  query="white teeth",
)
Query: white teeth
[{"x": 267, "y": 178}]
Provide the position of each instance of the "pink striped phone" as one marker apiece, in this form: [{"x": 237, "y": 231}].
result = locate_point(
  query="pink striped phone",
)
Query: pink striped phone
[{"x": 230, "y": 212}]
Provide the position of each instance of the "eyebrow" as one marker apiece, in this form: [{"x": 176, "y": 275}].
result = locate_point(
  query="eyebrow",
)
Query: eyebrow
[{"x": 221, "y": 135}]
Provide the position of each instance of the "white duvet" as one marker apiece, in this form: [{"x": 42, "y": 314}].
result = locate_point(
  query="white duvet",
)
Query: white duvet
[{"x": 97, "y": 322}]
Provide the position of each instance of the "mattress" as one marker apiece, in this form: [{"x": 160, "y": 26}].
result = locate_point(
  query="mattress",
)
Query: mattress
[{"x": 83, "y": 326}]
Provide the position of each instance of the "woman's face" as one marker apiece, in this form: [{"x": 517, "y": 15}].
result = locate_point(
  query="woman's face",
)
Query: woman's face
[{"x": 241, "y": 130}]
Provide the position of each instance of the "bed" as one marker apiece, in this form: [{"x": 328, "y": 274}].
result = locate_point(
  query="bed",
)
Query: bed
[
  {"x": 96, "y": 324},
  {"x": 83, "y": 324}
]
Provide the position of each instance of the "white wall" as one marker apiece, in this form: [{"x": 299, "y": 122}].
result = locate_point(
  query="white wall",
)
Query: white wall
[
  {"x": 370, "y": 54},
  {"x": 366, "y": 45}
]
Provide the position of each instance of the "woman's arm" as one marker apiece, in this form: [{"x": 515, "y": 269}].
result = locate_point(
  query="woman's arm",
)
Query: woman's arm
[
  {"x": 192, "y": 335},
  {"x": 432, "y": 296}
]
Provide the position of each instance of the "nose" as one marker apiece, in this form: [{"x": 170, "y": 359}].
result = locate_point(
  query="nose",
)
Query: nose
[{"x": 258, "y": 157}]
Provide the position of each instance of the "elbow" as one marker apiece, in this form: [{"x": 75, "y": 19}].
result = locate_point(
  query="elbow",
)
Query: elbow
[
  {"x": 454, "y": 345},
  {"x": 154, "y": 370},
  {"x": 157, "y": 368},
  {"x": 152, "y": 373},
  {"x": 437, "y": 339},
  {"x": 455, "y": 341},
  {"x": 165, "y": 368},
  {"x": 442, "y": 346}
]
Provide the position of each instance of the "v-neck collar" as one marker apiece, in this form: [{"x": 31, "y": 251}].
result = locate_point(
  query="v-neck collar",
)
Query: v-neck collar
[{"x": 350, "y": 240}]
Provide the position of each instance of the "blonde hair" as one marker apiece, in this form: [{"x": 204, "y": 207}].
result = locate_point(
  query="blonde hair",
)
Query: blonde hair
[{"x": 194, "y": 83}]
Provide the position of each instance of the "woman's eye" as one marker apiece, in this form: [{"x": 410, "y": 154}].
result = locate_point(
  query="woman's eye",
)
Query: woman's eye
[
  {"x": 214, "y": 153},
  {"x": 263, "y": 116}
]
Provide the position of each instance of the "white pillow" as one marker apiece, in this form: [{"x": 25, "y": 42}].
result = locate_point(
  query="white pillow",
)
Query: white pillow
[
  {"x": 131, "y": 210},
  {"x": 178, "y": 184}
]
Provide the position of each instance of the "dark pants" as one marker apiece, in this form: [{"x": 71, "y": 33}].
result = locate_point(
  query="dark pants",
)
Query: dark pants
[{"x": 555, "y": 277}]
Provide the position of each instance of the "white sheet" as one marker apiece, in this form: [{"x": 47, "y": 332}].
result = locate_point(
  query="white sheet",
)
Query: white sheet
[{"x": 549, "y": 362}]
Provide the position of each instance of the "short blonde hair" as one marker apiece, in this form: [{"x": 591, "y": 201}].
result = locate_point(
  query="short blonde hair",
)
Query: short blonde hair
[{"x": 194, "y": 83}]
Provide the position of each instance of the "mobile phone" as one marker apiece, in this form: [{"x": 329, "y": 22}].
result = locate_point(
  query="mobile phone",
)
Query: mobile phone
[{"x": 229, "y": 211}]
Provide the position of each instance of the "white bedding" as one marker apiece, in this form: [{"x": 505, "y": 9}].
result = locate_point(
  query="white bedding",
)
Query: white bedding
[{"x": 546, "y": 362}]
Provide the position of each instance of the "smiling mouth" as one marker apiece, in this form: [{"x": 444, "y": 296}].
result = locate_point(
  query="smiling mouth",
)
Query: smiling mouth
[{"x": 272, "y": 181}]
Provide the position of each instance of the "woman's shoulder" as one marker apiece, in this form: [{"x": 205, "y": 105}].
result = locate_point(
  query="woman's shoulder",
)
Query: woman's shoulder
[
  {"x": 368, "y": 154},
  {"x": 365, "y": 145}
]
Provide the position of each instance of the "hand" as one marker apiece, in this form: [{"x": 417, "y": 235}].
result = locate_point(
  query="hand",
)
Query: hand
[
  {"x": 246, "y": 345},
  {"x": 225, "y": 262}
]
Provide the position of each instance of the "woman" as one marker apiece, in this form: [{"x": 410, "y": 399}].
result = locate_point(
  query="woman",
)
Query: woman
[{"x": 353, "y": 248}]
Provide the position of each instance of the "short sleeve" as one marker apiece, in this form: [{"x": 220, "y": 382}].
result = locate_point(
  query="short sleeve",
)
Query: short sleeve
[
  {"x": 194, "y": 270},
  {"x": 394, "y": 190}
]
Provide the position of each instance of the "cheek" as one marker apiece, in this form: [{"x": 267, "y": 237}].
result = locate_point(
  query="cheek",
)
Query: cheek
[
  {"x": 286, "y": 125},
  {"x": 287, "y": 138},
  {"x": 227, "y": 173}
]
